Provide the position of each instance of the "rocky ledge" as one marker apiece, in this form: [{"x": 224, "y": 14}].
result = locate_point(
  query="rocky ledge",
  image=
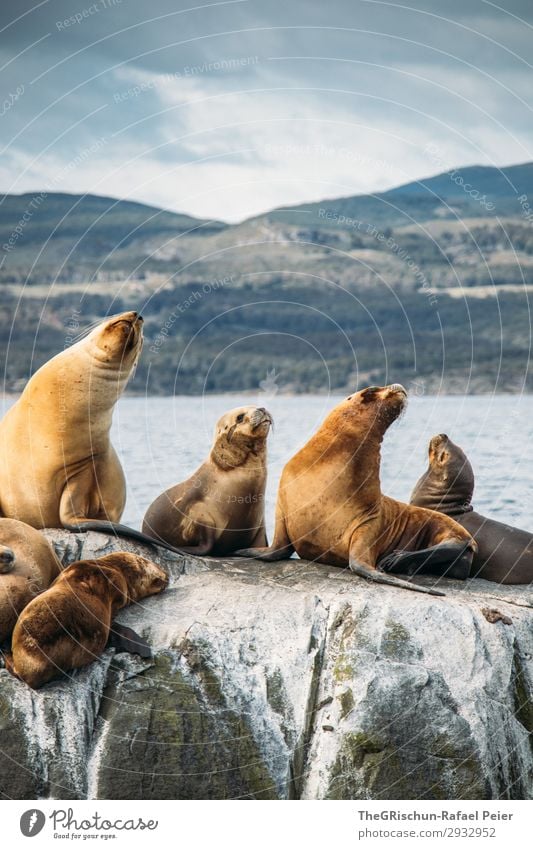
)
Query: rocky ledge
[{"x": 285, "y": 681}]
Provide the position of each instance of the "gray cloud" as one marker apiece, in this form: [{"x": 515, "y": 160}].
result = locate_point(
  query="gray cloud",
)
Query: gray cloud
[{"x": 228, "y": 109}]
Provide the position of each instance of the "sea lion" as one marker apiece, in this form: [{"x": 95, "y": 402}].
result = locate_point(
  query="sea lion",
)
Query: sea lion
[
  {"x": 28, "y": 565},
  {"x": 57, "y": 465},
  {"x": 505, "y": 554},
  {"x": 330, "y": 506},
  {"x": 221, "y": 506},
  {"x": 68, "y": 626}
]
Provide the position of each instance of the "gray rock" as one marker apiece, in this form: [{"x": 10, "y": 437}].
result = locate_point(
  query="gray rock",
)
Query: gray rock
[{"x": 289, "y": 680}]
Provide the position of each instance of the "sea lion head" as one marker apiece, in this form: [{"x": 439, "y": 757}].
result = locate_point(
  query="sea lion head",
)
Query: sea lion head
[
  {"x": 117, "y": 342},
  {"x": 143, "y": 578},
  {"x": 240, "y": 433},
  {"x": 374, "y": 409},
  {"x": 448, "y": 483}
]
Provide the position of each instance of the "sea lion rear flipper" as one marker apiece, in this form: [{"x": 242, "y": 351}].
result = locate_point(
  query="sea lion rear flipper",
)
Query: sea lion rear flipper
[
  {"x": 380, "y": 578},
  {"x": 281, "y": 547},
  {"x": 126, "y": 639},
  {"x": 449, "y": 559},
  {"x": 268, "y": 555},
  {"x": 83, "y": 525}
]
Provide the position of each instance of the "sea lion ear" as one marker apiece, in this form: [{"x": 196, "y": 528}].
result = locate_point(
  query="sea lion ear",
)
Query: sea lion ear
[{"x": 119, "y": 584}]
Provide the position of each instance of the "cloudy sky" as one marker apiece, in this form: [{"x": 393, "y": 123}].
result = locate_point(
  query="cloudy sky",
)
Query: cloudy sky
[{"x": 227, "y": 109}]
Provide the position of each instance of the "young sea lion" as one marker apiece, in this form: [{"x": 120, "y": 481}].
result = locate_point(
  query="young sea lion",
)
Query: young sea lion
[
  {"x": 505, "y": 554},
  {"x": 330, "y": 506},
  {"x": 28, "y": 565},
  {"x": 221, "y": 506},
  {"x": 57, "y": 465},
  {"x": 68, "y": 626}
]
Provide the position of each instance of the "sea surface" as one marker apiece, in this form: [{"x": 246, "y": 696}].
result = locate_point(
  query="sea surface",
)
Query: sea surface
[{"x": 161, "y": 441}]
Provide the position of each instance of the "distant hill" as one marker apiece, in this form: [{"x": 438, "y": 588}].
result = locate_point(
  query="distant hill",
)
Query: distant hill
[
  {"x": 428, "y": 284},
  {"x": 471, "y": 192},
  {"x": 83, "y": 225},
  {"x": 496, "y": 183}
]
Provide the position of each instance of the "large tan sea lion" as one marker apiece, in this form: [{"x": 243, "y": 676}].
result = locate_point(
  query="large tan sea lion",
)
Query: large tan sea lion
[
  {"x": 58, "y": 467},
  {"x": 28, "y": 565},
  {"x": 505, "y": 554},
  {"x": 221, "y": 506},
  {"x": 330, "y": 506},
  {"x": 68, "y": 626}
]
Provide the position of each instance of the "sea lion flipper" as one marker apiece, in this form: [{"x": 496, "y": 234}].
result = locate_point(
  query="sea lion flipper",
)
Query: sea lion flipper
[
  {"x": 380, "y": 578},
  {"x": 281, "y": 547},
  {"x": 83, "y": 525},
  {"x": 268, "y": 555},
  {"x": 452, "y": 559},
  {"x": 126, "y": 639}
]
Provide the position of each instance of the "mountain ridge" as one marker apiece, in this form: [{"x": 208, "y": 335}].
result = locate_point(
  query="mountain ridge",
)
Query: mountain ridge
[{"x": 486, "y": 179}]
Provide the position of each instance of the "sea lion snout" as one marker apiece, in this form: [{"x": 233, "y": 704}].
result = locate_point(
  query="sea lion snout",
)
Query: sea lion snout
[
  {"x": 397, "y": 387},
  {"x": 7, "y": 559},
  {"x": 259, "y": 417},
  {"x": 124, "y": 334},
  {"x": 157, "y": 580}
]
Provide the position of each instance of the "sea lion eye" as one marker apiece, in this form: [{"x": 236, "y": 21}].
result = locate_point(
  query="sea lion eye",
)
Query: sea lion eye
[{"x": 240, "y": 418}]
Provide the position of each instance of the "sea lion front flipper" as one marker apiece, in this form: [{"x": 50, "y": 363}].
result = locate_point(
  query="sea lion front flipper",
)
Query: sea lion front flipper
[
  {"x": 380, "y": 578},
  {"x": 447, "y": 559},
  {"x": 126, "y": 639}
]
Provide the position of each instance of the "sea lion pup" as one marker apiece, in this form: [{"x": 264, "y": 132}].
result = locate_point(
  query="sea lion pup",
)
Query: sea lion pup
[
  {"x": 505, "y": 554},
  {"x": 57, "y": 465},
  {"x": 221, "y": 506},
  {"x": 330, "y": 506},
  {"x": 68, "y": 626},
  {"x": 28, "y": 565}
]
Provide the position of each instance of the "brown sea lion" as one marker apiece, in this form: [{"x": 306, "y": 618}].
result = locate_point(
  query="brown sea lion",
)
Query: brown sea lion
[
  {"x": 330, "y": 506},
  {"x": 68, "y": 626},
  {"x": 505, "y": 554},
  {"x": 221, "y": 506},
  {"x": 28, "y": 565},
  {"x": 57, "y": 465}
]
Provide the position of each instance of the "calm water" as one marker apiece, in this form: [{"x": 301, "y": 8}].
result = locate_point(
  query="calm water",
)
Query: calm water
[{"x": 162, "y": 440}]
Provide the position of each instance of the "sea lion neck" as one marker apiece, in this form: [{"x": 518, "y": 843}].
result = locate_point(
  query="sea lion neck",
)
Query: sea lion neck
[
  {"x": 228, "y": 454},
  {"x": 436, "y": 492},
  {"x": 357, "y": 454}
]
